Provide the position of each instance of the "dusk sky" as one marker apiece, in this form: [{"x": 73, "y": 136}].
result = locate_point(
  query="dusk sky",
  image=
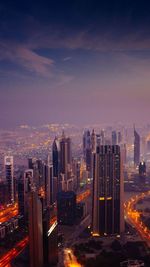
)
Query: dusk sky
[{"x": 76, "y": 61}]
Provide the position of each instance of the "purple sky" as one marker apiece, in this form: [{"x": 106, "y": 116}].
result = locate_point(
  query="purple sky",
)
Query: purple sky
[{"x": 74, "y": 61}]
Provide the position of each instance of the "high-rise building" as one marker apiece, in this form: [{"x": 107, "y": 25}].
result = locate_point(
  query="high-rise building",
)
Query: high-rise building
[
  {"x": 114, "y": 138},
  {"x": 50, "y": 233},
  {"x": 136, "y": 148},
  {"x": 9, "y": 174},
  {"x": 21, "y": 195},
  {"x": 49, "y": 184},
  {"x": 27, "y": 186},
  {"x": 65, "y": 155},
  {"x": 107, "y": 214},
  {"x": 86, "y": 142},
  {"x": 93, "y": 141},
  {"x": 66, "y": 205},
  {"x": 56, "y": 157},
  {"x": 142, "y": 169},
  {"x": 119, "y": 137},
  {"x": 35, "y": 230},
  {"x": 89, "y": 144}
]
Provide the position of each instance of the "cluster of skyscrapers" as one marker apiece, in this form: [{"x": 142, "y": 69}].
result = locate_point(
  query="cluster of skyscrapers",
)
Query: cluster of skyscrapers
[{"x": 47, "y": 190}]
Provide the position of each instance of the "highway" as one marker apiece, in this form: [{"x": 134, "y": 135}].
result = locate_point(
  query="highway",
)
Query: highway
[
  {"x": 7, "y": 212},
  {"x": 133, "y": 216},
  {"x": 13, "y": 253}
]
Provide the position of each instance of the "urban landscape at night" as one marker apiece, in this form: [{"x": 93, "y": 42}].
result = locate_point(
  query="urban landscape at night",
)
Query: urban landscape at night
[{"x": 75, "y": 133}]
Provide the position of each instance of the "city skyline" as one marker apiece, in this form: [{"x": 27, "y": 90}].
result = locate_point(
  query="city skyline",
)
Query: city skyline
[{"x": 74, "y": 61}]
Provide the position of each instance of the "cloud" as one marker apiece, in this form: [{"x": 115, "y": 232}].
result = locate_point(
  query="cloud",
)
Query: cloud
[
  {"x": 67, "y": 58},
  {"x": 25, "y": 57}
]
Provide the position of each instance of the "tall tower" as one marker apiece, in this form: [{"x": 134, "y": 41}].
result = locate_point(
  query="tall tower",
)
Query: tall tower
[
  {"x": 93, "y": 141},
  {"x": 56, "y": 157},
  {"x": 107, "y": 217},
  {"x": 114, "y": 138},
  {"x": 65, "y": 154},
  {"x": 136, "y": 148},
  {"x": 35, "y": 230},
  {"x": 9, "y": 174}
]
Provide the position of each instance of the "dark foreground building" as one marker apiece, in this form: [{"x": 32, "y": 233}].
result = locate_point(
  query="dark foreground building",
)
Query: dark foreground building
[
  {"x": 107, "y": 191},
  {"x": 66, "y": 204}
]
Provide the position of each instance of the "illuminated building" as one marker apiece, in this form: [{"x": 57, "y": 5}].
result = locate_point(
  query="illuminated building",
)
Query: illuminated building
[
  {"x": 114, "y": 138},
  {"x": 136, "y": 148},
  {"x": 66, "y": 205},
  {"x": 35, "y": 230},
  {"x": 9, "y": 174},
  {"x": 107, "y": 214}
]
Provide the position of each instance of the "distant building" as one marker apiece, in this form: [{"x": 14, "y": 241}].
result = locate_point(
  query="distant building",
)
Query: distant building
[
  {"x": 35, "y": 230},
  {"x": 66, "y": 205},
  {"x": 114, "y": 138},
  {"x": 56, "y": 157},
  {"x": 107, "y": 214},
  {"x": 136, "y": 148},
  {"x": 119, "y": 138},
  {"x": 142, "y": 169},
  {"x": 93, "y": 141},
  {"x": 65, "y": 154},
  {"x": 9, "y": 174}
]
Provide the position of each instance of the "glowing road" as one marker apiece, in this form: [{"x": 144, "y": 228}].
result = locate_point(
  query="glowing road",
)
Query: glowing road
[
  {"x": 7, "y": 212},
  {"x": 83, "y": 195},
  {"x": 13, "y": 253},
  {"x": 70, "y": 259},
  {"x": 134, "y": 216}
]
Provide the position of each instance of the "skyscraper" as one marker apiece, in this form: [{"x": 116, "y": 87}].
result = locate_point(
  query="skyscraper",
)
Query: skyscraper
[
  {"x": 49, "y": 184},
  {"x": 56, "y": 157},
  {"x": 136, "y": 148},
  {"x": 93, "y": 141},
  {"x": 66, "y": 204},
  {"x": 35, "y": 230},
  {"x": 114, "y": 138},
  {"x": 86, "y": 142},
  {"x": 9, "y": 174},
  {"x": 65, "y": 155},
  {"x": 27, "y": 185},
  {"x": 107, "y": 217}
]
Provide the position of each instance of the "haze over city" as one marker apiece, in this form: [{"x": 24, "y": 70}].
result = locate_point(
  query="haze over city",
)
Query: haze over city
[{"x": 74, "y": 61}]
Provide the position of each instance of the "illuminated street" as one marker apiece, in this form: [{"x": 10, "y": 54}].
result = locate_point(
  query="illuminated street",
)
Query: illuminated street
[
  {"x": 14, "y": 252},
  {"x": 70, "y": 259},
  {"x": 134, "y": 216},
  {"x": 83, "y": 195},
  {"x": 8, "y": 212}
]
